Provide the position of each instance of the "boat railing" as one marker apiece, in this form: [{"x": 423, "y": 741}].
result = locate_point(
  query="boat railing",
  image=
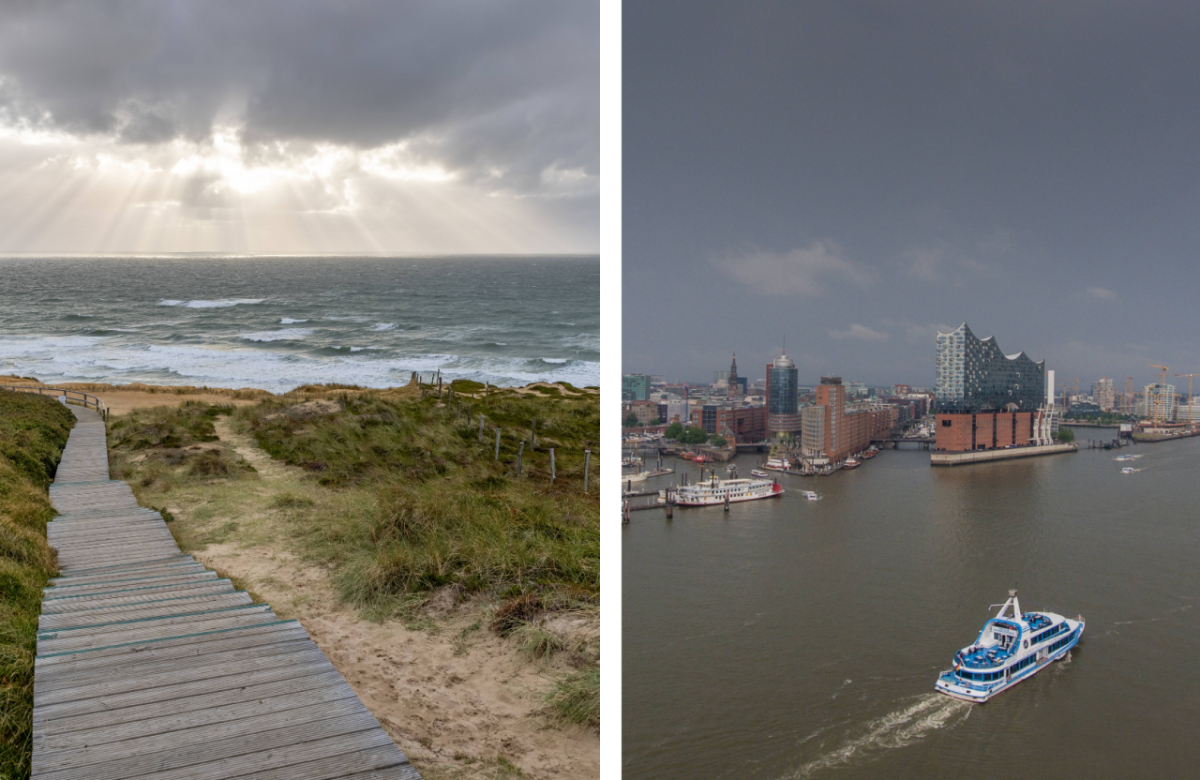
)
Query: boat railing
[{"x": 75, "y": 397}]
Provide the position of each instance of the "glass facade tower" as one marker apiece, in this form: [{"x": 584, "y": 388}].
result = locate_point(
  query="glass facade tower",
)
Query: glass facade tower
[
  {"x": 973, "y": 375},
  {"x": 783, "y": 396}
]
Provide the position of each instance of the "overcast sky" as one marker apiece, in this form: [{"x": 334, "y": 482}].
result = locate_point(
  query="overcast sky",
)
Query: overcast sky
[
  {"x": 854, "y": 176},
  {"x": 299, "y": 126}
]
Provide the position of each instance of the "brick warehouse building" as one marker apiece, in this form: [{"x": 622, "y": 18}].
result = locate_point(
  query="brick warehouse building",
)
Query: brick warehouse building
[
  {"x": 986, "y": 399},
  {"x": 744, "y": 424},
  {"x": 834, "y": 430}
]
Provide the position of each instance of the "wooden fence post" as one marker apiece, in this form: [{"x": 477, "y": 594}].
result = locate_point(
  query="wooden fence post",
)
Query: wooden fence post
[
  {"x": 520, "y": 452},
  {"x": 552, "y": 472},
  {"x": 587, "y": 464},
  {"x": 497, "y": 444}
]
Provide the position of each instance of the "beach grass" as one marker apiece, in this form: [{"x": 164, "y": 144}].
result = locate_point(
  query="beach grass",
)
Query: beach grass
[
  {"x": 400, "y": 498},
  {"x": 33, "y": 432}
]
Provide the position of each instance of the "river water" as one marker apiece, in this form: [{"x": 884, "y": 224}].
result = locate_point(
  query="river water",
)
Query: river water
[{"x": 797, "y": 639}]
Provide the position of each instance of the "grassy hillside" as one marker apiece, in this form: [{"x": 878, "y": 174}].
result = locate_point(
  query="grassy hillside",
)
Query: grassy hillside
[
  {"x": 33, "y": 432},
  {"x": 403, "y": 497}
]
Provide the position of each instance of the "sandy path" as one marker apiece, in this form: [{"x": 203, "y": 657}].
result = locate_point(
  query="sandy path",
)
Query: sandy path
[{"x": 457, "y": 699}]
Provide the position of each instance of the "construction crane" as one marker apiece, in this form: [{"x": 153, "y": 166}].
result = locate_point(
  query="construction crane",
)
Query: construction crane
[
  {"x": 1159, "y": 397},
  {"x": 1189, "y": 376},
  {"x": 1075, "y": 394}
]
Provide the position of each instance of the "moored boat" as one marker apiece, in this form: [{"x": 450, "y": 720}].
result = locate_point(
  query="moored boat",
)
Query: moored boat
[
  {"x": 1013, "y": 646},
  {"x": 712, "y": 492},
  {"x": 850, "y": 463},
  {"x": 777, "y": 464}
]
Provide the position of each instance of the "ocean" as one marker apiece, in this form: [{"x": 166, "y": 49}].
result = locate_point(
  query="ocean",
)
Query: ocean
[{"x": 276, "y": 323}]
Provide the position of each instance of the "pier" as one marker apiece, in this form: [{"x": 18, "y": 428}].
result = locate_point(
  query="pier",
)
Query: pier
[{"x": 151, "y": 665}]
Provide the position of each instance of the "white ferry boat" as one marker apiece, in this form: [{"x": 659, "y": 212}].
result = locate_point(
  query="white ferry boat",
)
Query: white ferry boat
[
  {"x": 777, "y": 464},
  {"x": 715, "y": 491},
  {"x": 1012, "y": 646},
  {"x": 759, "y": 473},
  {"x": 1128, "y": 470},
  {"x": 811, "y": 495}
]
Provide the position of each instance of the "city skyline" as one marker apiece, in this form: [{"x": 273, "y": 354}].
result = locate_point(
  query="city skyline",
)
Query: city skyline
[{"x": 859, "y": 176}]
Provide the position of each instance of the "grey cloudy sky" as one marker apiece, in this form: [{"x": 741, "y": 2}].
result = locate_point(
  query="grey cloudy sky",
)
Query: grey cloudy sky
[
  {"x": 856, "y": 175},
  {"x": 295, "y": 125}
]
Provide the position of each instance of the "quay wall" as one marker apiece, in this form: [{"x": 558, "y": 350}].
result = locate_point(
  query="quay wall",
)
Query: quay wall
[{"x": 982, "y": 456}]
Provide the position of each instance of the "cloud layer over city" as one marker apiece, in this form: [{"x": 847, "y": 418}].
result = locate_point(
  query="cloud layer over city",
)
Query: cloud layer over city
[{"x": 853, "y": 176}]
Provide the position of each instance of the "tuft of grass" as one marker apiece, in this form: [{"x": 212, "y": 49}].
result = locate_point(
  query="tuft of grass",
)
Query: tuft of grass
[
  {"x": 33, "y": 431},
  {"x": 166, "y": 427},
  {"x": 536, "y": 642},
  {"x": 576, "y": 697},
  {"x": 290, "y": 501}
]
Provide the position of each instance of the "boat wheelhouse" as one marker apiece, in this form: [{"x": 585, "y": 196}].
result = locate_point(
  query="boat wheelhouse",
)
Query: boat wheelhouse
[
  {"x": 1012, "y": 647},
  {"x": 712, "y": 492}
]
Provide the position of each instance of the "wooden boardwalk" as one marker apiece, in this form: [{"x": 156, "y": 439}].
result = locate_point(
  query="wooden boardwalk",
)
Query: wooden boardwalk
[{"x": 149, "y": 665}]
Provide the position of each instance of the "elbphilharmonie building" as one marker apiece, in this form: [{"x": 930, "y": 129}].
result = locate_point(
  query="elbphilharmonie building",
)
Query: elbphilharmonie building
[
  {"x": 973, "y": 375},
  {"x": 985, "y": 399}
]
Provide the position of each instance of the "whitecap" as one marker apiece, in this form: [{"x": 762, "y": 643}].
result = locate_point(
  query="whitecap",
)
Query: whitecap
[
  {"x": 290, "y": 321},
  {"x": 277, "y": 335},
  {"x": 222, "y": 303},
  {"x": 384, "y": 326}
]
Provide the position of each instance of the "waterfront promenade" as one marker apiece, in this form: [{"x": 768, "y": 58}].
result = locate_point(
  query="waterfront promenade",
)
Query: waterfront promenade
[{"x": 150, "y": 665}]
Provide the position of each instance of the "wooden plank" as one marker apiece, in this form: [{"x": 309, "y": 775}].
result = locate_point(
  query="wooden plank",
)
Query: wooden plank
[
  {"x": 355, "y": 752},
  {"x": 144, "y": 573},
  {"x": 53, "y": 741},
  {"x": 156, "y": 680},
  {"x": 203, "y": 744},
  {"x": 168, "y": 700},
  {"x": 53, "y": 667},
  {"x": 162, "y": 619},
  {"x": 90, "y": 593},
  {"x": 134, "y": 596},
  {"x": 150, "y": 609},
  {"x": 56, "y": 643},
  {"x": 159, "y": 561}
]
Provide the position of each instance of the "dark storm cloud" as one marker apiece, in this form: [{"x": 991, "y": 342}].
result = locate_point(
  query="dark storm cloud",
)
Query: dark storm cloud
[
  {"x": 501, "y": 93},
  {"x": 1028, "y": 167}
]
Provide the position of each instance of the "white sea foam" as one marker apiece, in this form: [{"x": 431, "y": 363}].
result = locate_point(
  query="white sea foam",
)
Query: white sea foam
[
  {"x": 290, "y": 321},
  {"x": 109, "y": 359},
  {"x": 218, "y": 304},
  {"x": 286, "y": 334},
  {"x": 384, "y": 326}
]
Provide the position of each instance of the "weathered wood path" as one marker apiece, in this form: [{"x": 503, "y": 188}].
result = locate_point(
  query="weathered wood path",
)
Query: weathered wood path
[{"x": 151, "y": 666}]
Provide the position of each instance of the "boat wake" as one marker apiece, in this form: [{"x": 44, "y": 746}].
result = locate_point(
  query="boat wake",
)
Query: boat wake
[{"x": 928, "y": 713}]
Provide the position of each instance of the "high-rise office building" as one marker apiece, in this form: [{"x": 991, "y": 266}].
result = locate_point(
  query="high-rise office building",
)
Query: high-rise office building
[
  {"x": 635, "y": 387},
  {"x": 1103, "y": 394},
  {"x": 783, "y": 399}
]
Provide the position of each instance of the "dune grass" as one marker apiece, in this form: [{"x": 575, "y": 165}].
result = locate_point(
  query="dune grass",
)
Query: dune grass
[
  {"x": 33, "y": 432},
  {"x": 401, "y": 497},
  {"x": 438, "y": 508}
]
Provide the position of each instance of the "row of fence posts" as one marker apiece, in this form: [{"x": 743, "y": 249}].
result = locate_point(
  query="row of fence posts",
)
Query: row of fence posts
[{"x": 450, "y": 396}]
